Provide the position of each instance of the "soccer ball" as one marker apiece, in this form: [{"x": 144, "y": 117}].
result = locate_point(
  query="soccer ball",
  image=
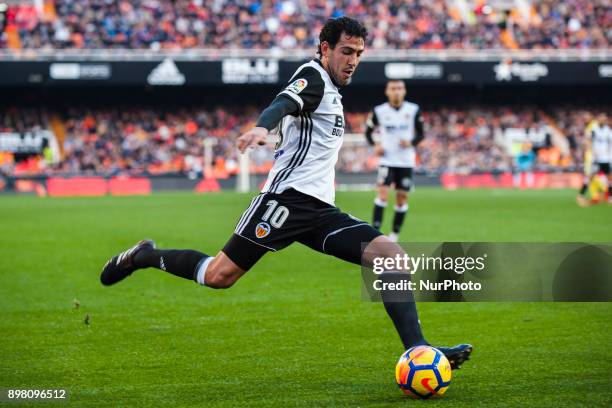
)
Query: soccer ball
[{"x": 423, "y": 372}]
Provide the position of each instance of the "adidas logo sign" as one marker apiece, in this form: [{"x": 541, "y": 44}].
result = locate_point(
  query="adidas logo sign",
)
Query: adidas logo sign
[
  {"x": 335, "y": 102},
  {"x": 166, "y": 73},
  {"x": 162, "y": 265}
]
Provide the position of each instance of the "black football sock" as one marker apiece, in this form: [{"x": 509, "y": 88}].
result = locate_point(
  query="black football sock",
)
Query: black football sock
[
  {"x": 401, "y": 308},
  {"x": 398, "y": 219},
  {"x": 379, "y": 209},
  {"x": 179, "y": 262},
  {"x": 583, "y": 189}
]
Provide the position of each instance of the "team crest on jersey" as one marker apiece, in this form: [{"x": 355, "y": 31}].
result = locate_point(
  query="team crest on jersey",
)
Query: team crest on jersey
[
  {"x": 297, "y": 86},
  {"x": 262, "y": 230}
]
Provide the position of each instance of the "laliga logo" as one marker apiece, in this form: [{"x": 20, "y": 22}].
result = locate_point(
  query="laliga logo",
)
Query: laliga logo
[
  {"x": 262, "y": 230},
  {"x": 506, "y": 70},
  {"x": 298, "y": 85}
]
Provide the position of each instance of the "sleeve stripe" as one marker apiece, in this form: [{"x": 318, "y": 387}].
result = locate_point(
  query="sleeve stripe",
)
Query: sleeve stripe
[{"x": 294, "y": 97}]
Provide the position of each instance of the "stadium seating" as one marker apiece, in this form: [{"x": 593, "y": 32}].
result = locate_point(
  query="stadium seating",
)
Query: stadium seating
[
  {"x": 292, "y": 24},
  {"x": 156, "y": 140}
]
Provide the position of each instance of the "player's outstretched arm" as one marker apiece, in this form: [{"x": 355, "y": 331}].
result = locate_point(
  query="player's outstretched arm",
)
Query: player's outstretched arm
[
  {"x": 280, "y": 107},
  {"x": 303, "y": 94}
]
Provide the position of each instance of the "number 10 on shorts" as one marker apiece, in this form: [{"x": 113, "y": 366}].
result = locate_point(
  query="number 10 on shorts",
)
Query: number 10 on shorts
[{"x": 276, "y": 215}]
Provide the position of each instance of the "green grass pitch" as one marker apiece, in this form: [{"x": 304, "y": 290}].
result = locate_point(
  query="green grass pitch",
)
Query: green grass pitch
[{"x": 293, "y": 331}]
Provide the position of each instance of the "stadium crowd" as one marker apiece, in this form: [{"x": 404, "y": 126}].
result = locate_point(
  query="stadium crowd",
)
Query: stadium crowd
[
  {"x": 155, "y": 140},
  {"x": 291, "y": 24}
]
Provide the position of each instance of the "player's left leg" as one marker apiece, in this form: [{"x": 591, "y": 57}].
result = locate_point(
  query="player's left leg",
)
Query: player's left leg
[
  {"x": 342, "y": 236},
  {"x": 403, "y": 184},
  {"x": 218, "y": 272},
  {"x": 608, "y": 171},
  {"x": 401, "y": 209}
]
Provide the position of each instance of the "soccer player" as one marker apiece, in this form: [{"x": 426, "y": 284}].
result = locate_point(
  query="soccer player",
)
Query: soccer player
[
  {"x": 297, "y": 202},
  {"x": 597, "y": 156},
  {"x": 401, "y": 130},
  {"x": 524, "y": 162}
]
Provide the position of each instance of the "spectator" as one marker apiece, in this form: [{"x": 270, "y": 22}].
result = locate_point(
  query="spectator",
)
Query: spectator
[
  {"x": 158, "y": 140},
  {"x": 291, "y": 24}
]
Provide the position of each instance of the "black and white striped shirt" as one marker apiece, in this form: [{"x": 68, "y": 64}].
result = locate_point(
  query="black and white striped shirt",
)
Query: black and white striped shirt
[{"x": 307, "y": 152}]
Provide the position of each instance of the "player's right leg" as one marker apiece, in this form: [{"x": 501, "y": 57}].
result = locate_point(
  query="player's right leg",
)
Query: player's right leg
[
  {"x": 221, "y": 271},
  {"x": 581, "y": 197},
  {"x": 608, "y": 172},
  {"x": 590, "y": 172},
  {"x": 270, "y": 223},
  {"x": 401, "y": 209},
  {"x": 382, "y": 192}
]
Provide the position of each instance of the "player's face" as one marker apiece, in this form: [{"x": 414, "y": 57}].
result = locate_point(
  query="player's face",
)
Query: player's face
[
  {"x": 342, "y": 60},
  {"x": 396, "y": 92},
  {"x": 602, "y": 119}
]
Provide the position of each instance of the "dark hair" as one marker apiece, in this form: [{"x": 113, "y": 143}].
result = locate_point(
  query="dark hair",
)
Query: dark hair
[{"x": 333, "y": 29}]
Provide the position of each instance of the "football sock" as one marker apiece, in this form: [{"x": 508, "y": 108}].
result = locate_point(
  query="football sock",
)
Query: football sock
[
  {"x": 379, "y": 209},
  {"x": 398, "y": 219},
  {"x": 402, "y": 312},
  {"x": 179, "y": 262},
  {"x": 584, "y": 188}
]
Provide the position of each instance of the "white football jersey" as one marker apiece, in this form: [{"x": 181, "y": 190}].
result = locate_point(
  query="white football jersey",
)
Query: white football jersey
[
  {"x": 307, "y": 152},
  {"x": 601, "y": 143},
  {"x": 394, "y": 126}
]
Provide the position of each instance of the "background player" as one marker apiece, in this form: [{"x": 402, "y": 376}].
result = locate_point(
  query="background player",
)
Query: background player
[
  {"x": 401, "y": 129},
  {"x": 524, "y": 163},
  {"x": 297, "y": 201},
  {"x": 597, "y": 157}
]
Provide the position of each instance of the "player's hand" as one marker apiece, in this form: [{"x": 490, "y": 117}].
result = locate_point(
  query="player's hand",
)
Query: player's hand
[
  {"x": 378, "y": 150},
  {"x": 254, "y": 137},
  {"x": 405, "y": 143}
]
